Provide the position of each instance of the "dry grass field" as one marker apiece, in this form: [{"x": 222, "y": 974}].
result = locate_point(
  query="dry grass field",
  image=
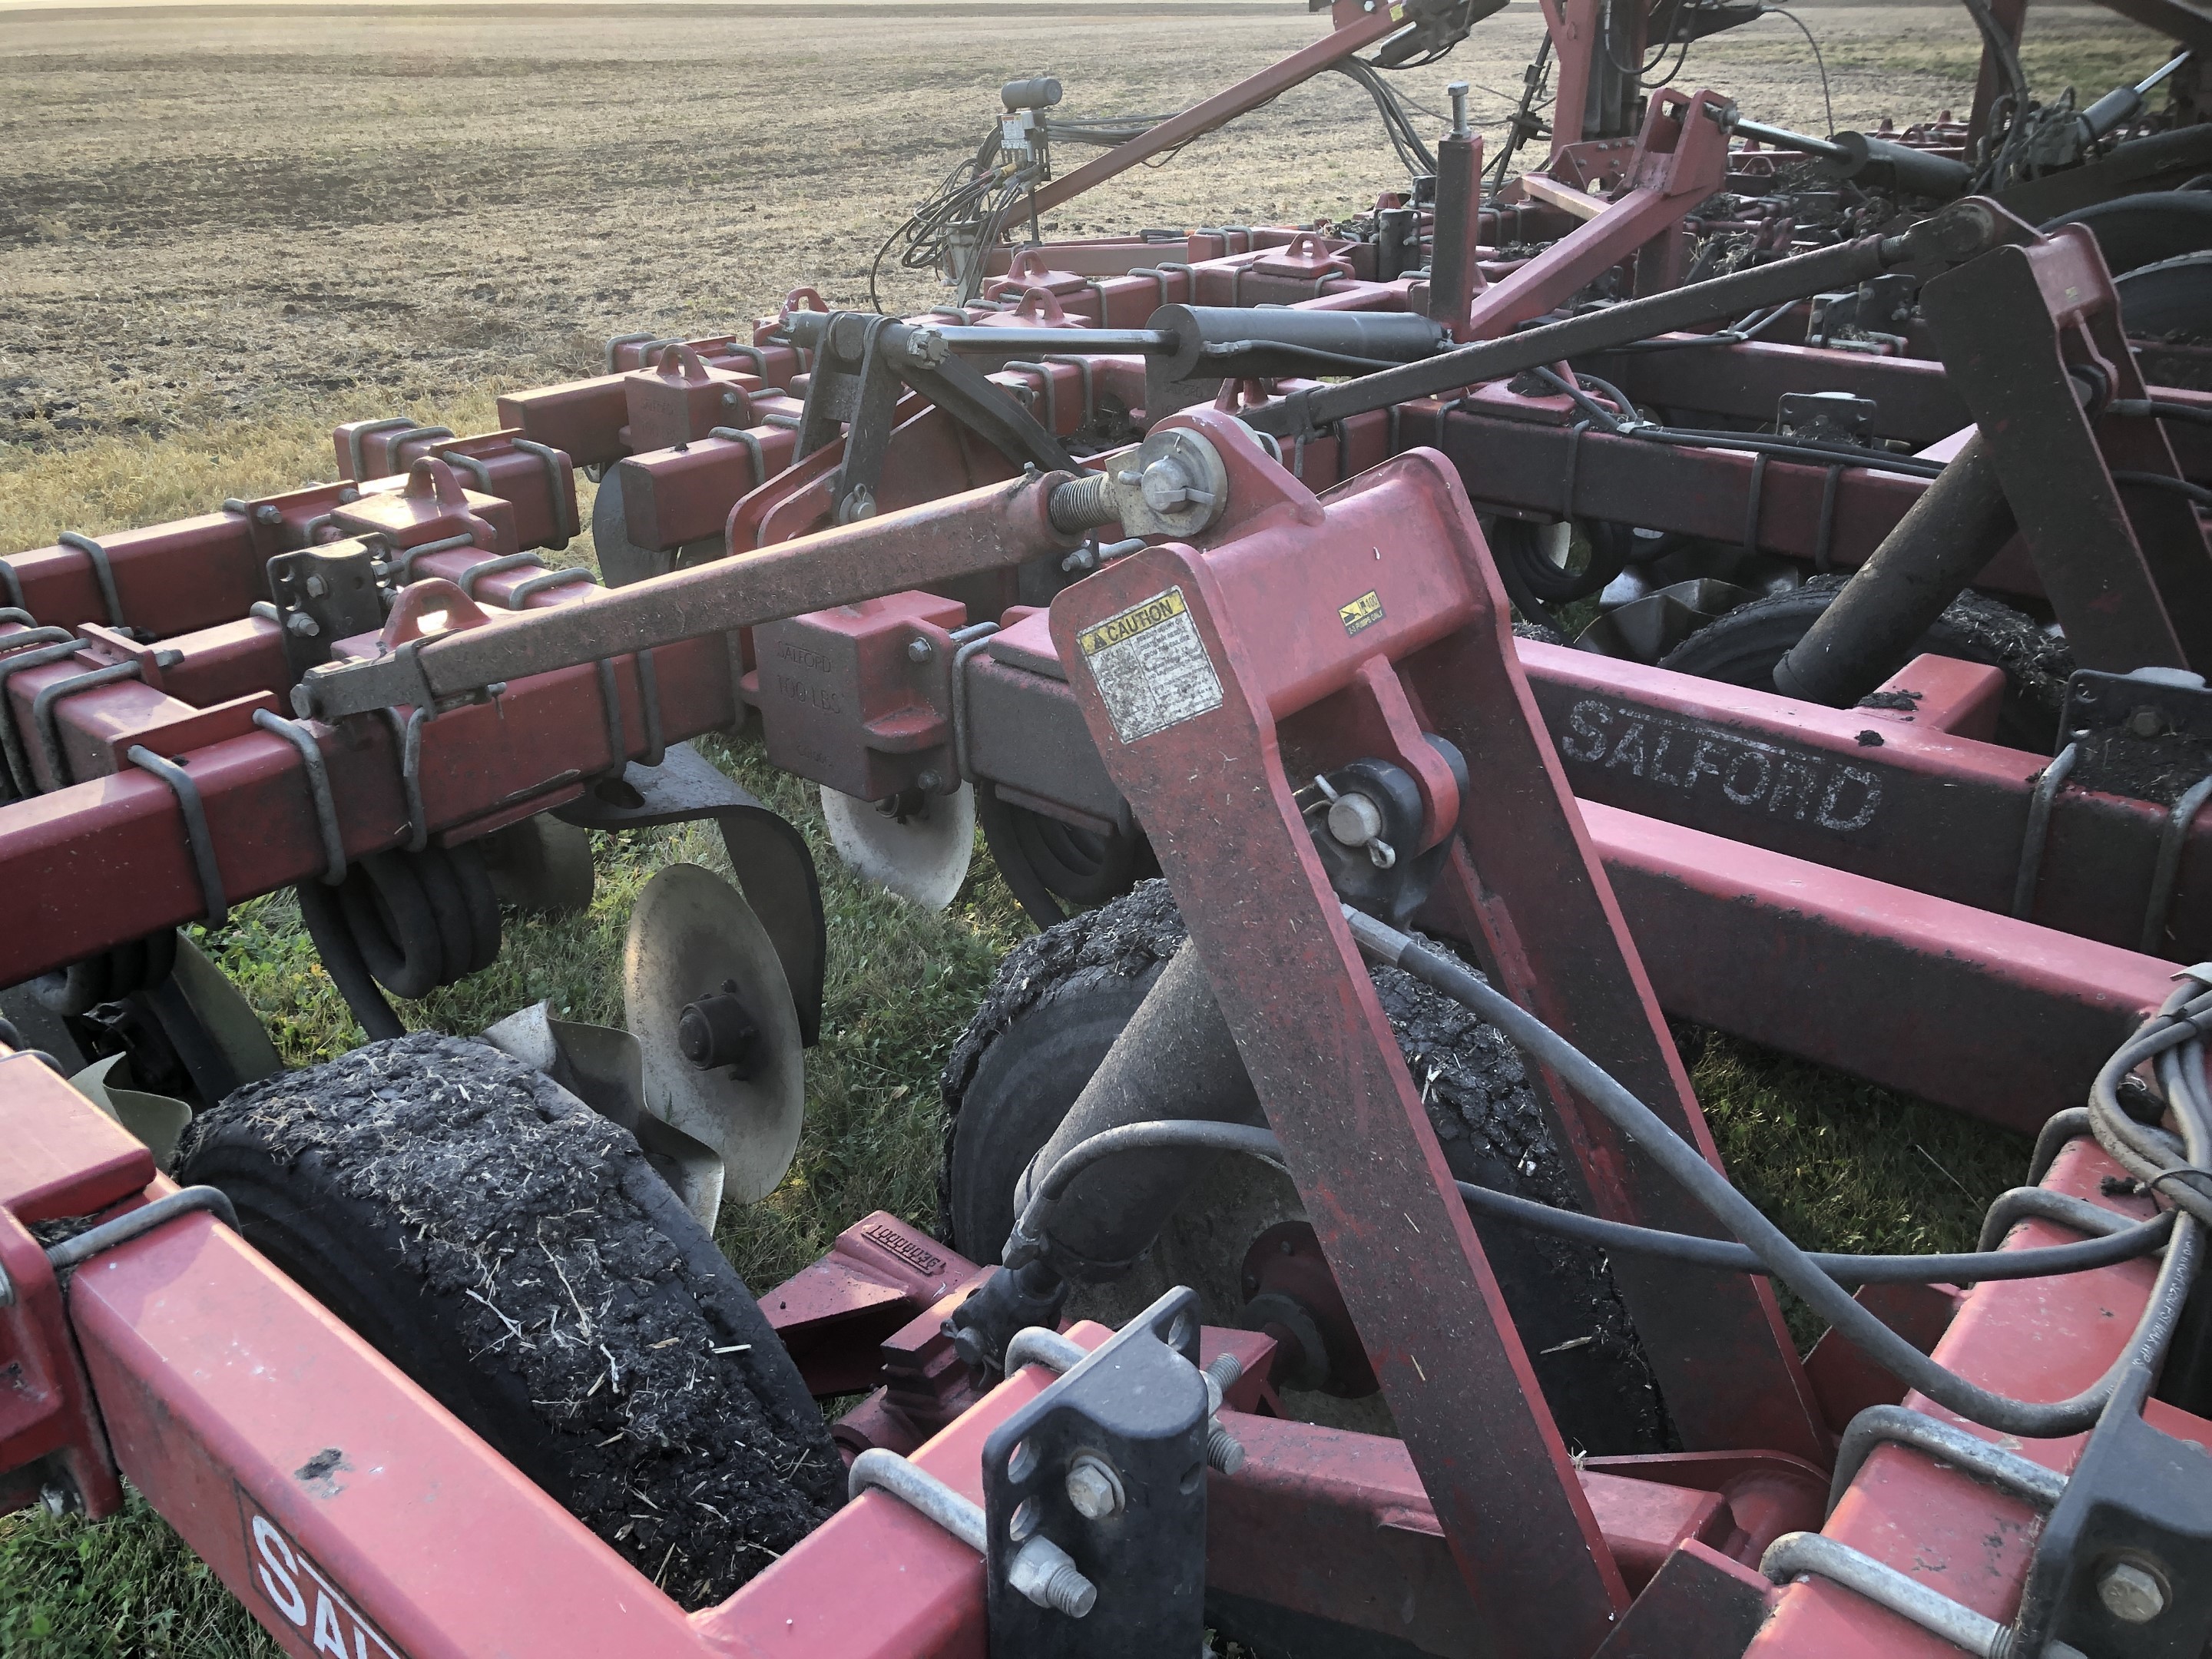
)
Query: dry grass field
[{"x": 224, "y": 229}]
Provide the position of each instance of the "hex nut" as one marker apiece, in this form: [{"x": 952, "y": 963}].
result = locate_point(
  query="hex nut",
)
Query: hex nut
[
  {"x": 1093, "y": 1488},
  {"x": 2131, "y": 1592},
  {"x": 1041, "y": 1570}
]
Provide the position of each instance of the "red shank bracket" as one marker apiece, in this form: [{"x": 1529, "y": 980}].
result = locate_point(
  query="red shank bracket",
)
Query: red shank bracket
[{"x": 1314, "y": 632}]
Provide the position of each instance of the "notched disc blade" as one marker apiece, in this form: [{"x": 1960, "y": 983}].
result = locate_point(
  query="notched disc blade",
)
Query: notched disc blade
[{"x": 692, "y": 935}]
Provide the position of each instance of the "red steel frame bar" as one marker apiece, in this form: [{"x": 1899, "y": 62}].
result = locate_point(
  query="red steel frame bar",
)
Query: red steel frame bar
[
  {"x": 2039, "y": 1339},
  {"x": 220, "y": 1384}
]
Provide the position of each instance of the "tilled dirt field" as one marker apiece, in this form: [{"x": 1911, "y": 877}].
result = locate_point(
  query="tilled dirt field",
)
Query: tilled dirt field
[{"x": 214, "y": 213}]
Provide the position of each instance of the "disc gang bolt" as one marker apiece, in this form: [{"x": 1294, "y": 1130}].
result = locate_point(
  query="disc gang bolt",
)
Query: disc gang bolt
[
  {"x": 1093, "y": 1488},
  {"x": 2131, "y": 1593}
]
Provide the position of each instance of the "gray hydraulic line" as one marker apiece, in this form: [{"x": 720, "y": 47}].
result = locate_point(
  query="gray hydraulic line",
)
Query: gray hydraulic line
[
  {"x": 2018, "y": 1203},
  {"x": 1941, "y": 544},
  {"x": 1174, "y": 1059},
  {"x": 2032, "y": 1419},
  {"x": 1952, "y": 236},
  {"x": 2118, "y": 1243},
  {"x": 2112, "y": 1238}
]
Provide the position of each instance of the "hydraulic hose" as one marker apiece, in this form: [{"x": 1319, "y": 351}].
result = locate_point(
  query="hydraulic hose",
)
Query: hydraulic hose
[
  {"x": 2036, "y": 1419},
  {"x": 1964, "y": 1267},
  {"x": 1174, "y": 1059}
]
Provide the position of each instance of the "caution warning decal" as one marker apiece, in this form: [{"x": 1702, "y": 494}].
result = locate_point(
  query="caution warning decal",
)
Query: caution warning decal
[
  {"x": 1363, "y": 612},
  {"x": 1150, "y": 667}
]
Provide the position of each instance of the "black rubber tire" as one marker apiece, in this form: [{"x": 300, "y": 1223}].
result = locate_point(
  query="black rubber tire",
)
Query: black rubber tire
[
  {"x": 1054, "y": 869},
  {"x": 328, "y": 926},
  {"x": 389, "y": 916},
  {"x": 461, "y": 1212},
  {"x": 2134, "y": 231},
  {"x": 1060, "y": 998},
  {"x": 1513, "y": 543},
  {"x": 1742, "y": 648},
  {"x": 2170, "y": 300},
  {"x": 478, "y": 902}
]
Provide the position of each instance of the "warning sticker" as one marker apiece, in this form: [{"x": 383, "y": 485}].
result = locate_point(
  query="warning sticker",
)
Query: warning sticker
[
  {"x": 1150, "y": 667},
  {"x": 1363, "y": 612}
]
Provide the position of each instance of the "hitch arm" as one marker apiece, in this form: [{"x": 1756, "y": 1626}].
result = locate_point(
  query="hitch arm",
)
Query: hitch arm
[{"x": 982, "y": 529}]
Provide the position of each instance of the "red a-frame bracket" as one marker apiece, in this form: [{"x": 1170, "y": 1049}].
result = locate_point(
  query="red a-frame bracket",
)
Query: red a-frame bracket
[{"x": 1314, "y": 632}]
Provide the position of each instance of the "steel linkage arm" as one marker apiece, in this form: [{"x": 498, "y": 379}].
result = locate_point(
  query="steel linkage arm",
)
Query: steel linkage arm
[
  {"x": 1161, "y": 489},
  {"x": 1357, "y": 25},
  {"x": 1307, "y": 636}
]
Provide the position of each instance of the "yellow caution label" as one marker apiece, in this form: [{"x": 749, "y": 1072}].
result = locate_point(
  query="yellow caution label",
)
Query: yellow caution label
[
  {"x": 1362, "y": 613},
  {"x": 1160, "y": 609},
  {"x": 1150, "y": 667}
]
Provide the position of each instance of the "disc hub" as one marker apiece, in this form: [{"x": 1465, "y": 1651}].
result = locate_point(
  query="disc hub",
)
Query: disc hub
[{"x": 717, "y": 1033}]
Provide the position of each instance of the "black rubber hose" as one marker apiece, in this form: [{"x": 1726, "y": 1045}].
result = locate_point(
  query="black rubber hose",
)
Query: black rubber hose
[
  {"x": 2124, "y": 1243},
  {"x": 1174, "y": 1059},
  {"x": 2030, "y": 1419},
  {"x": 334, "y": 943},
  {"x": 1940, "y": 545},
  {"x": 1965, "y": 1268}
]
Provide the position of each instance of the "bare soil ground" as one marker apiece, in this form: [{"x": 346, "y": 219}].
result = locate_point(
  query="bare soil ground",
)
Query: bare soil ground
[{"x": 206, "y": 216}]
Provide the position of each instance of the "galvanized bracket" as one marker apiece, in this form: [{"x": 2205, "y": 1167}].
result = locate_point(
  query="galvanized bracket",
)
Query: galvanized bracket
[{"x": 1109, "y": 1464}]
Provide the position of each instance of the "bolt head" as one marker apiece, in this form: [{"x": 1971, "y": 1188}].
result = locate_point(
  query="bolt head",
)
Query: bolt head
[
  {"x": 2131, "y": 1592},
  {"x": 1166, "y": 486},
  {"x": 1353, "y": 819},
  {"x": 317, "y": 588},
  {"x": 301, "y": 623},
  {"x": 2146, "y": 723},
  {"x": 1093, "y": 1488},
  {"x": 919, "y": 650},
  {"x": 930, "y": 782}
]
